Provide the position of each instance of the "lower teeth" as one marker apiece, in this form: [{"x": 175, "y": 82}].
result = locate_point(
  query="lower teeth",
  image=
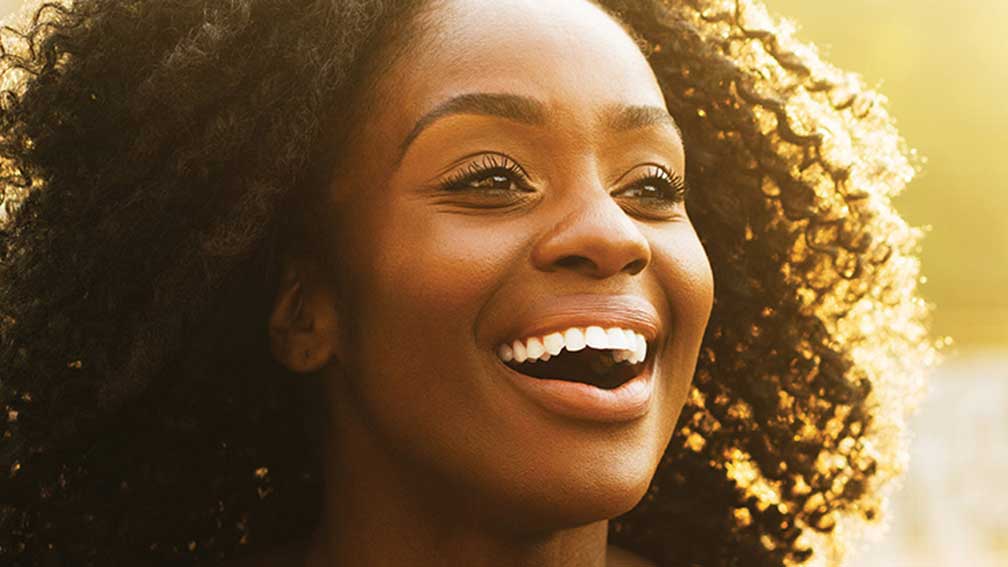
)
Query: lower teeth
[{"x": 600, "y": 369}]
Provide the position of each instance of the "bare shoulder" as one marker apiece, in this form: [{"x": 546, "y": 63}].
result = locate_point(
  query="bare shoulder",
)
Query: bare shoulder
[{"x": 619, "y": 557}]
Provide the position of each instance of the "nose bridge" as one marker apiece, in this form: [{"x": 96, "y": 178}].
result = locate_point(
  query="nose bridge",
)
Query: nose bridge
[{"x": 593, "y": 235}]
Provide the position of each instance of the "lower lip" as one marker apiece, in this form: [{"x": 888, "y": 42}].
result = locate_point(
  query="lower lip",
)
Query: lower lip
[{"x": 629, "y": 401}]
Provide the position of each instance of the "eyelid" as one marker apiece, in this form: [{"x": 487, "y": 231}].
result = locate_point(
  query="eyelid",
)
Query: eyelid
[
  {"x": 670, "y": 172},
  {"x": 662, "y": 205},
  {"x": 656, "y": 170},
  {"x": 468, "y": 158},
  {"x": 486, "y": 161}
]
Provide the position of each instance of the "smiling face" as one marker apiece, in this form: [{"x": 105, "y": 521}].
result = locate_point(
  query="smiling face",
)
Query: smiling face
[{"x": 519, "y": 181}]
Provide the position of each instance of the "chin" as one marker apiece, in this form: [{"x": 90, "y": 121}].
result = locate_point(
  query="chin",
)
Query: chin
[{"x": 570, "y": 500}]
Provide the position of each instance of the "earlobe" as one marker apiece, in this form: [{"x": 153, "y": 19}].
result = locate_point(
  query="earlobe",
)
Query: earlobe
[{"x": 302, "y": 327}]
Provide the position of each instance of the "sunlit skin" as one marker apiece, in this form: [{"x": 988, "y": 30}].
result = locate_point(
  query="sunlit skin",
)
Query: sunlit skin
[{"x": 434, "y": 458}]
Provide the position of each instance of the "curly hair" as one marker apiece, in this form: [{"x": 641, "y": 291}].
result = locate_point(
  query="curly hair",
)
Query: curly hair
[{"x": 157, "y": 155}]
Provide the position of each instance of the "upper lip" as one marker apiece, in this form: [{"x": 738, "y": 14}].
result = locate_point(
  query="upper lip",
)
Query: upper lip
[{"x": 551, "y": 314}]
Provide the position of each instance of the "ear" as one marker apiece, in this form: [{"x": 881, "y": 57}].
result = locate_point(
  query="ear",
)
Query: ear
[{"x": 304, "y": 327}]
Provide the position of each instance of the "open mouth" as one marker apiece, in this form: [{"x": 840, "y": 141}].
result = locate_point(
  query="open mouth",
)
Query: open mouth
[
  {"x": 588, "y": 366},
  {"x": 604, "y": 358}
]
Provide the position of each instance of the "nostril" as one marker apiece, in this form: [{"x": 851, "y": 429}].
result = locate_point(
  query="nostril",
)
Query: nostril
[
  {"x": 587, "y": 265},
  {"x": 636, "y": 266},
  {"x": 576, "y": 263}
]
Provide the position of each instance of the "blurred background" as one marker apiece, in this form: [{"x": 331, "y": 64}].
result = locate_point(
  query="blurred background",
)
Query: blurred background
[{"x": 944, "y": 67}]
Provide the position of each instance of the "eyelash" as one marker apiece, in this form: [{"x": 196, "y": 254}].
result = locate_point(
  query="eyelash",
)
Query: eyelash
[
  {"x": 673, "y": 189},
  {"x": 490, "y": 165}
]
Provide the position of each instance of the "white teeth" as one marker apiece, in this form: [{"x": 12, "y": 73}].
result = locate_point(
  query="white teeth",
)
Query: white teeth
[
  {"x": 626, "y": 345},
  {"x": 520, "y": 355},
  {"x": 595, "y": 337},
  {"x": 505, "y": 352},
  {"x": 630, "y": 336},
  {"x": 616, "y": 339},
  {"x": 554, "y": 343},
  {"x": 534, "y": 347},
  {"x": 574, "y": 339}
]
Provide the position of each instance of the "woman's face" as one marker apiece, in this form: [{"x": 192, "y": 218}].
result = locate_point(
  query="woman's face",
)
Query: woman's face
[{"x": 518, "y": 180}]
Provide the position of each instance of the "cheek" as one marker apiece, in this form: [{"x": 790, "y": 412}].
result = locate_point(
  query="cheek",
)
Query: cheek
[
  {"x": 692, "y": 295},
  {"x": 686, "y": 276},
  {"x": 418, "y": 284},
  {"x": 688, "y": 283},
  {"x": 434, "y": 274}
]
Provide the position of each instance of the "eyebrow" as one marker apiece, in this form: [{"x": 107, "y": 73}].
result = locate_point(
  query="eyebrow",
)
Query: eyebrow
[
  {"x": 527, "y": 110},
  {"x": 504, "y": 105},
  {"x": 623, "y": 118}
]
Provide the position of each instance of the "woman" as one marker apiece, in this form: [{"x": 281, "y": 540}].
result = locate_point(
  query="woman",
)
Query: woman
[{"x": 377, "y": 283}]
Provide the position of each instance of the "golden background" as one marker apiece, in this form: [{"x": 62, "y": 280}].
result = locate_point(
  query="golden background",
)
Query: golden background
[{"x": 943, "y": 67}]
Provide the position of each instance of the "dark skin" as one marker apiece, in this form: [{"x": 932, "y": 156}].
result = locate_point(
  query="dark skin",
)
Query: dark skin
[{"x": 433, "y": 458}]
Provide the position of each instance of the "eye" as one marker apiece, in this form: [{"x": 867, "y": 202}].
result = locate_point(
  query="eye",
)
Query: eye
[
  {"x": 492, "y": 173},
  {"x": 656, "y": 193}
]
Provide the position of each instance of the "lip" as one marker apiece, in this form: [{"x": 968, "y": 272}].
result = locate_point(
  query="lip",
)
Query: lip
[
  {"x": 630, "y": 401},
  {"x": 551, "y": 314}
]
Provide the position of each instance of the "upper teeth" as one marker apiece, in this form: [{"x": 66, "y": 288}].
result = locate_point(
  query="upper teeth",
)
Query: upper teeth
[{"x": 626, "y": 344}]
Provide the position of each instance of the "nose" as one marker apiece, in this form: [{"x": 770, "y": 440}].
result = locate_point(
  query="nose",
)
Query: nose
[{"x": 596, "y": 238}]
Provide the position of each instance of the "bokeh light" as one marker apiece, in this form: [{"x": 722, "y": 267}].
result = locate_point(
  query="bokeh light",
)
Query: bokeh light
[{"x": 942, "y": 67}]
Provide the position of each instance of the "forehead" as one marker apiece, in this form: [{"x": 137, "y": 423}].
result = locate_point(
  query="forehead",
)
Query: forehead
[{"x": 568, "y": 54}]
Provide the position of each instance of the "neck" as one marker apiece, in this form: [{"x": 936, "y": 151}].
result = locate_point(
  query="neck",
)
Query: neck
[{"x": 382, "y": 510}]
